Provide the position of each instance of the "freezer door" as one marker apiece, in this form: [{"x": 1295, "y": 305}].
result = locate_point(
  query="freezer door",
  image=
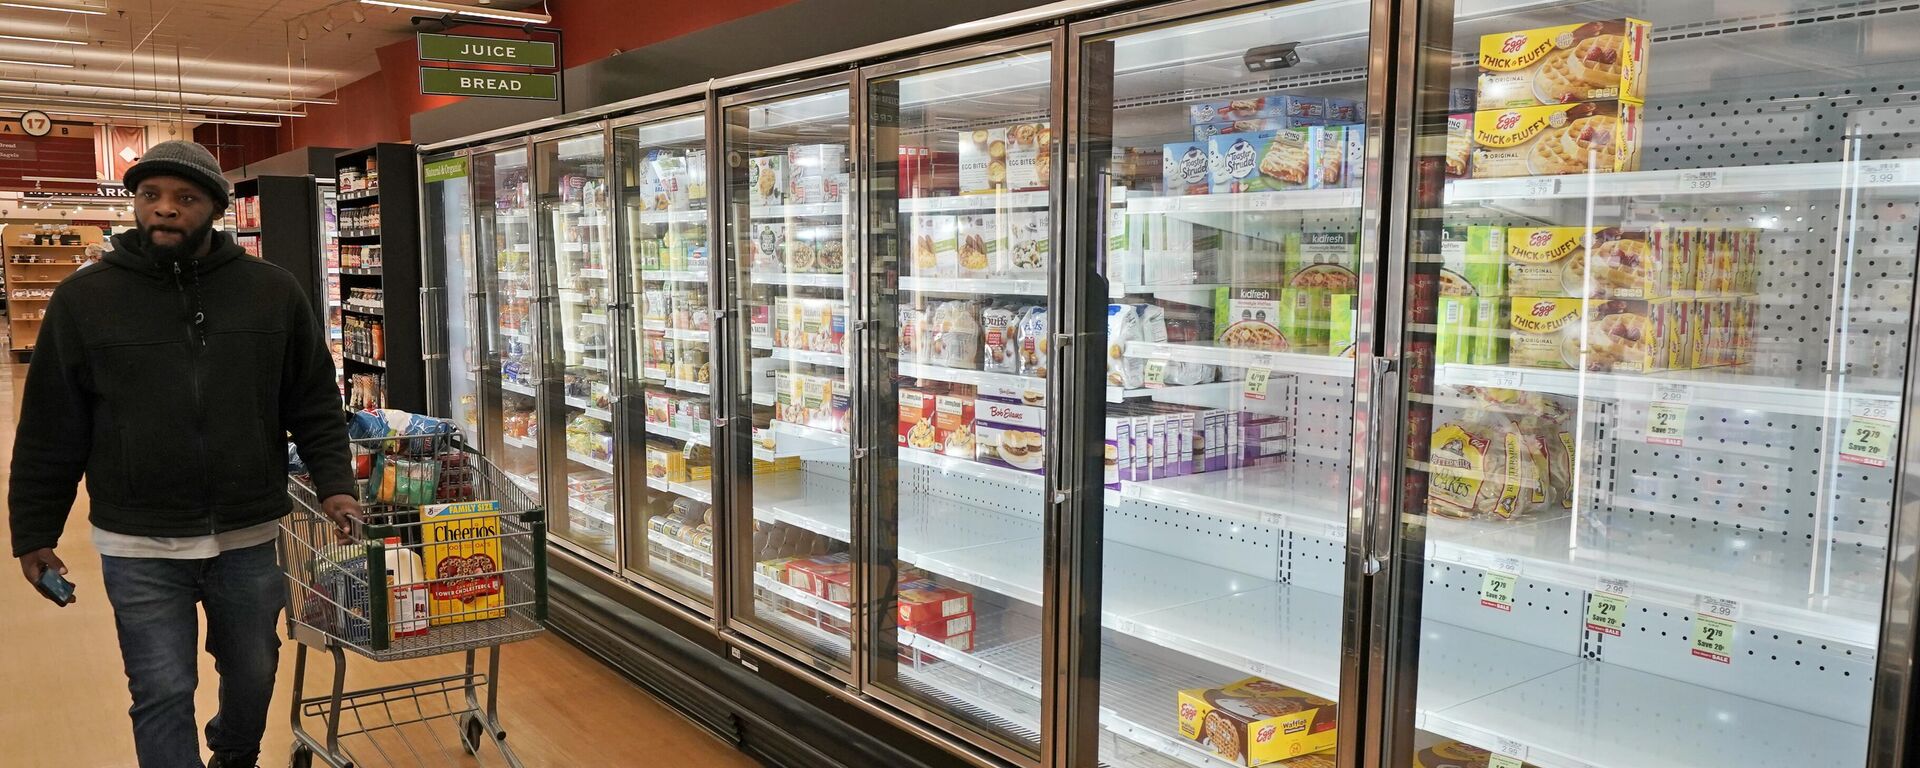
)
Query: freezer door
[
  {"x": 452, "y": 269},
  {"x": 1223, "y": 170},
  {"x": 575, "y": 265},
  {"x": 509, "y": 374},
  {"x": 665, "y": 321},
  {"x": 1657, "y": 333}
]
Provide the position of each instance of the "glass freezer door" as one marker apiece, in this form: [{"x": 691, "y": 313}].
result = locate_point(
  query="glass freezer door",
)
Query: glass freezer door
[
  {"x": 449, "y": 221},
  {"x": 1230, "y": 185},
  {"x": 790, "y": 208},
  {"x": 961, "y": 238},
  {"x": 1659, "y": 303},
  {"x": 510, "y": 371},
  {"x": 575, "y": 263},
  {"x": 666, "y": 375}
]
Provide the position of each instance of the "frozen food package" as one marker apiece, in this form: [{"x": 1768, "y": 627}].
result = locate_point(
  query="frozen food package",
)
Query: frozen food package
[
  {"x": 1260, "y": 162},
  {"x": 1590, "y": 61},
  {"x": 1459, "y": 145},
  {"x": 1246, "y": 318},
  {"x": 916, "y": 338},
  {"x": 769, "y": 247},
  {"x": 818, "y": 248},
  {"x": 976, "y": 244},
  {"x": 1485, "y": 466},
  {"x": 983, "y": 160},
  {"x": 954, "y": 334},
  {"x": 1035, "y": 342},
  {"x": 1552, "y": 140},
  {"x": 1124, "y": 324},
  {"x": 814, "y": 173},
  {"x": 1028, "y": 242},
  {"x": 766, "y": 180},
  {"x": 1029, "y": 156},
  {"x": 934, "y": 250},
  {"x": 999, "y": 329},
  {"x": 953, "y": 424},
  {"x": 1186, "y": 168},
  {"x": 1329, "y": 144},
  {"x": 916, "y": 422}
]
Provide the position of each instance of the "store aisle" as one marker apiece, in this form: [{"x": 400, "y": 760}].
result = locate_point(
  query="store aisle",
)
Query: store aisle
[{"x": 69, "y": 696}]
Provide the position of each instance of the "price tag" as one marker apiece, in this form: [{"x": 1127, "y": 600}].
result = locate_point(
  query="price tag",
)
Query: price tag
[
  {"x": 1713, "y": 638},
  {"x": 1868, "y": 437},
  {"x": 1879, "y": 174},
  {"x": 1274, "y": 519},
  {"x": 1157, "y": 373},
  {"x": 1719, "y": 608},
  {"x": 1510, "y": 748},
  {"x": 1496, "y": 590},
  {"x": 1613, "y": 586},
  {"x": 1672, "y": 393},
  {"x": 1256, "y": 386},
  {"x": 1504, "y": 761},
  {"x": 1336, "y": 531},
  {"x": 1541, "y": 187},
  {"x": 1504, "y": 379},
  {"x": 1667, "y": 424},
  {"x": 1606, "y": 613},
  {"x": 1699, "y": 181}
]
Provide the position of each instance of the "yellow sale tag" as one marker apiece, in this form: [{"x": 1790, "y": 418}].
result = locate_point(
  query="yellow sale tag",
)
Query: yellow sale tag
[
  {"x": 1868, "y": 439},
  {"x": 1256, "y": 388},
  {"x": 1503, "y": 761},
  {"x": 1606, "y": 613},
  {"x": 1496, "y": 590},
  {"x": 1667, "y": 424},
  {"x": 1713, "y": 638},
  {"x": 1157, "y": 372}
]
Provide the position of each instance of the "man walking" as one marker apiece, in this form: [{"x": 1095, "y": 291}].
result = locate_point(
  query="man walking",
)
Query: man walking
[{"x": 170, "y": 376}]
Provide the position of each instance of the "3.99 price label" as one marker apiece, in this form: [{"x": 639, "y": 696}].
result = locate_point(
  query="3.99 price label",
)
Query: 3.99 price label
[
  {"x": 1868, "y": 437},
  {"x": 1256, "y": 386}
]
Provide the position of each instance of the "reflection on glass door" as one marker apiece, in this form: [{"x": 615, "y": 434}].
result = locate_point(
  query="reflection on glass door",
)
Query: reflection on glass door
[
  {"x": 449, "y": 222},
  {"x": 962, "y": 237},
  {"x": 1658, "y": 319},
  {"x": 511, "y": 372},
  {"x": 667, "y": 373},
  {"x": 575, "y": 264},
  {"x": 1231, "y": 187},
  {"x": 790, "y": 209}
]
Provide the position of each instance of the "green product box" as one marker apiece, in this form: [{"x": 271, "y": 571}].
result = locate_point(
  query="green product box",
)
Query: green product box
[
  {"x": 1489, "y": 324},
  {"x": 1345, "y": 318},
  {"x": 1453, "y": 335},
  {"x": 1304, "y": 317},
  {"x": 1473, "y": 261}
]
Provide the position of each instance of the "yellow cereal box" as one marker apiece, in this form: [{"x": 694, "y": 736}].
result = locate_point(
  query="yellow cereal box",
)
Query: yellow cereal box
[
  {"x": 1593, "y": 61},
  {"x": 1557, "y": 139},
  {"x": 463, "y": 561}
]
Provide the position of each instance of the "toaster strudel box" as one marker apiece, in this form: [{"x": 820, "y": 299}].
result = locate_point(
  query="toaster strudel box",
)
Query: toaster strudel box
[
  {"x": 1557, "y": 139},
  {"x": 1255, "y": 722},
  {"x": 1260, "y": 162},
  {"x": 1592, "y": 61}
]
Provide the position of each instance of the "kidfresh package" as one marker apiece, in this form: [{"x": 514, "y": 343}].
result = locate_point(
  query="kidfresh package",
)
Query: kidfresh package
[
  {"x": 1473, "y": 271},
  {"x": 935, "y": 251},
  {"x": 463, "y": 548},
  {"x": 1255, "y": 721},
  {"x": 814, "y": 173},
  {"x": 1547, "y": 261},
  {"x": 983, "y": 160},
  {"x": 1592, "y": 61},
  {"x": 1558, "y": 139},
  {"x": 1185, "y": 168},
  {"x": 976, "y": 244},
  {"x": 1260, "y": 162},
  {"x": 1248, "y": 318},
  {"x": 1342, "y": 320},
  {"x": 766, "y": 180}
]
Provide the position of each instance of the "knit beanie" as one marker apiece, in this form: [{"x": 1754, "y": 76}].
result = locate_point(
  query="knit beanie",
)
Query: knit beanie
[{"x": 183, "y": 159}]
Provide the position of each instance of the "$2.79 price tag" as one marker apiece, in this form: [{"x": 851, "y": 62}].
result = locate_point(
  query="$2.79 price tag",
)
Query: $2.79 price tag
[
  {"x": 1667, "y": 423},
  {"x": 1713, "y": 629},
  {"x": 1606, "y": 613},
  {"x": 1868, "y": 437},
  {"x": 1498, "y": 585}
]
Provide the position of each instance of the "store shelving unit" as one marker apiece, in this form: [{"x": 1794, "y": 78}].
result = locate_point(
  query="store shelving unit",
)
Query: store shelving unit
[
  {"x": 34, "y": 266},
  {"x": 380, "y": 212},
  {"x": 278, "y": 220}
]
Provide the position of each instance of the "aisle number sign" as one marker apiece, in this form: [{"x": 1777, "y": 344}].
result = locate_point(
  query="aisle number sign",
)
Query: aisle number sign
[
  {"x": 1256, "y": 386},
  {"x": 468, "y": 82},
  {"x": 1607, "y": 607},
  {"x": 1868, "y": 438},
  {"x": 1713, "y": 629},
  {"x": 468, "y": 49}
]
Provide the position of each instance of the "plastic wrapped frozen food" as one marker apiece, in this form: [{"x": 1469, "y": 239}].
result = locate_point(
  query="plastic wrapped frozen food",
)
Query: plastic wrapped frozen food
[
  {"x": 954, "y": 334},
  {"x": 1000, "y": 331},
  {"x": 1124, "y": 324},
  {"x": 916, "y": 340},
  {"x": 1486, "y": 465},
  {"x": 1035, "y": 343}
]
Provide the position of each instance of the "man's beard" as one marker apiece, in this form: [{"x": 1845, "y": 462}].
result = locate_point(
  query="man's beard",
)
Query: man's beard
[{"x": 189, "y": 245}]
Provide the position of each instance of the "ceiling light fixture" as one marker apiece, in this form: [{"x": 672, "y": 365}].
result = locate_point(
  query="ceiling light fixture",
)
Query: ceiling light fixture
[
  {"x": 55, "y": 8},
  {"x": 43, "y": 40},
  {"x": 36, "y": 63},
  {"x": 139, "y": 93},
  {"x": 168, "y": 117},
  {"x": 431, "y": 6},
  {"x": 153, "y": 105}
]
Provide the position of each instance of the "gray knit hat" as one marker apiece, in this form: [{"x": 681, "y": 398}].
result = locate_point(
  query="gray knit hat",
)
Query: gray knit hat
[{"x": 184, "y": 159}]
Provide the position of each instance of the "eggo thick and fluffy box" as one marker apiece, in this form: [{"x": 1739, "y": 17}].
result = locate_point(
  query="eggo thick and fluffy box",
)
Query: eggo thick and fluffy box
[
  {"x": 1557, "y": 139},
  {"x": 1256, "y": 722},
  {"x": 1591, "y": 61}
]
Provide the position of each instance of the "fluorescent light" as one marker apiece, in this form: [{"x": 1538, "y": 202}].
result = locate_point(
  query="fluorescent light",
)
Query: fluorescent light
[
  {"x": 432, "y": 6},
  {"x": 43, "y": 40},
  {"x": 60, "y": 8},
  {"x": 169, "y": 117},
  {"x": 35, "y": 63},
  {"x": 150, "y": 105},
  {"x": 40, "y": 85}
]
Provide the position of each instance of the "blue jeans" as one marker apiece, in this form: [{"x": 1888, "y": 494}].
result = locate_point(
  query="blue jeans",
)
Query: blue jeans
[{"x": 153, "y": 608}]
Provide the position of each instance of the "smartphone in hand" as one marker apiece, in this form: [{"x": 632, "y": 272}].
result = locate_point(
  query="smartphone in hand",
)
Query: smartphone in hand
[{"x": 55, "y": 587}]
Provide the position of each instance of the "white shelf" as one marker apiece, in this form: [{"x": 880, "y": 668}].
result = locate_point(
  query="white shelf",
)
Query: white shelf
[
  {"x": 594, "y": 363},
  {"x": 834, "y": 208},
  {"x": 593, "y": 274},
  {"x": 987, "y": 203},
  {"x": 525, "y": 483},
  {"x": 674, "y": 275},
  {"x": 801, "y": 279},
  {"x": 696, "y": 492},
  {"x": 587, "y": 407},
  {"x": 1209, "y": 353},
  {"x": 519, "y": 442},
  {"x": 590, "y": 510},
  {"x": 970, "y": 376},
  {"x": 1213, "y": 394},
  {"x": 514, "y": 276},
  {"x": 802, "y": 432},
  {"x": 683, "y": 435},
  {"x": 1298, "y": 496},
  {"x": 989, "y": 286},
  {"x": 593, "y": 318},
  {"x": 679, "y": 547},
  {"x": 1809, "y": 395},
  {"x": 953, "y": 465},
  {"x": 1249, "y": 202},
  {"x": 830, "y": 359},
  {"x": 670, "y": 217},
  {"x": 680, "y": 334},
  {"x": 518, "y": 389},
  {"x": 589, "y": 461},
  {"x": 1747, "y": 183}
]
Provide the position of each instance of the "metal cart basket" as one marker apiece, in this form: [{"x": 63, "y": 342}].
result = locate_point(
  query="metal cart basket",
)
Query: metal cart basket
[{"x": 345, "y": 592}]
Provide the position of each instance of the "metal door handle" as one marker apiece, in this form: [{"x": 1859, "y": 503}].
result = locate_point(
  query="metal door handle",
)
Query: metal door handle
[{"x": 1385, "y": 377}]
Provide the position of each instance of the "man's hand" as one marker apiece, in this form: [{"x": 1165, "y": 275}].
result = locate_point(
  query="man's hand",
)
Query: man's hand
[
  {"x": 342, "y": 509},
  {"x": 32, "y": 564}
]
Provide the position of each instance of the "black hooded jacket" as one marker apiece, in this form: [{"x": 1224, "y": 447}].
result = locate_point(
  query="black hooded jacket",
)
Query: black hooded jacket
[{"x": 179, "y": 426}]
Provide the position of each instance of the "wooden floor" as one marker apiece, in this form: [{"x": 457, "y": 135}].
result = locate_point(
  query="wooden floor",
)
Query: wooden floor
[{"x": 67, "y": 696}]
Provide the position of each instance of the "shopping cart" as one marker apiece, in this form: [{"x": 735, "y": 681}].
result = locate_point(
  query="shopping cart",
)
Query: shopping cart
[{"x": 343, "y": 592}]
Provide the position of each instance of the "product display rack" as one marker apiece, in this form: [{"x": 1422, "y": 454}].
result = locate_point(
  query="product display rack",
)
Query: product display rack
[
  {"x": 381, "y": 358},
  {"x": 1428, "y": 507},
  {"x": 34, "y": 266},
  {"x": 278, "y": 219}
]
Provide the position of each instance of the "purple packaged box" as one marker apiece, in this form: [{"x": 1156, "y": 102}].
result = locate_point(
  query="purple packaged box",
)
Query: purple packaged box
[
  {"x": 1115, "y": 467},
  {"x": 1213, "y": 448},
  {"x": 1009, "y": 433},
  {"x": 1343, "y": 112},
  {"x": 1308, "y": 108}
]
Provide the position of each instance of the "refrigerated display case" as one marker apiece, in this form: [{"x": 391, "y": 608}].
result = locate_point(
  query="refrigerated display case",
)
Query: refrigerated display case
[
  {"x": 450, "y": 262},
  {"x": 511, "y": 371},
  {"x": 665, "y": 323},
  {"x": 329, "y": 213},
  {"x": 791, "y": 218}
]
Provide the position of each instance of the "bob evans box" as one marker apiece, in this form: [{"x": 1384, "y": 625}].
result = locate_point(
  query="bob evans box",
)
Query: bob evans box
[{"x": 1256, "y": 722}]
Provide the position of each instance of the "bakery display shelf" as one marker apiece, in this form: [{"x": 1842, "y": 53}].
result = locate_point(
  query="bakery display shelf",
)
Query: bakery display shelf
[
  {"x": 1744, "y": 183},
  {"x": 1297, "y": 496},
  {"x": 670, "y": 217},
  {"x": 984, "y": 286},
  {"x": 973, "y": 377},
  {"x": 1210, "y": 353},
  {"x": 963, "y": 467},
  {"x": 1248, "y": 202},
  {"x": 518, "y": 389},
  {"x": 829, "y": 359},
  {"x": 519, "y": 442},
  {"x": 586, "y": 406},
  {"x": 1810, "y": 394},
  {"x": 695, "y": 436},
  {"x": 800, "y": 279},
  {"x": 1675, "y": 563},
  {"x": 593, "y": 318},
  {"x": 803, "y": 432},
  {"x": 988, "y": 203},
  {"x": 699, "y": 493},
  {"x": 803, "y": 210},
  {"x": 588, "y": 461}
]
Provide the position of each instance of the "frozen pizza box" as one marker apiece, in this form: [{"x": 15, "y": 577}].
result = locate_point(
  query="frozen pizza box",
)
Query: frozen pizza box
[
  {"x": 766, "y": 180},
  {"x": 1590, "y": 61},
  {"x": 1557, "y": 139},
  {"x": 1257, "y": 722}
]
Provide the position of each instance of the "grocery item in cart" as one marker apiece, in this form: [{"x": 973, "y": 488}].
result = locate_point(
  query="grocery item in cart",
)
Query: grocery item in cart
[
  {"x": 1257, "y": 722},
  {"x": 1553, "y": 140},
  {"x": 1591, "y": 61},
  {"x": 462, "y": 557},
  {"x": 407, "y": 608},
  {"x": 335, "y": 601}
]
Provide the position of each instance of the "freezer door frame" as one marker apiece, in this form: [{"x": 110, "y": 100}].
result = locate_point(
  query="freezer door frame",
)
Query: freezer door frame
[
  {"x": 437, "y": 320},
  {"x": 492, "y": 401}
]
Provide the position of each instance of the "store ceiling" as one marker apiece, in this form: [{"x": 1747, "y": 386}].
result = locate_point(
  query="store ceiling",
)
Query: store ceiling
[{"x": 207, "y": 53}]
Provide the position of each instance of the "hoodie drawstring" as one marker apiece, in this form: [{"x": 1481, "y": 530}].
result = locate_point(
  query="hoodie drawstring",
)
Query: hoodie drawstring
[{"x": 199, "y": 318}]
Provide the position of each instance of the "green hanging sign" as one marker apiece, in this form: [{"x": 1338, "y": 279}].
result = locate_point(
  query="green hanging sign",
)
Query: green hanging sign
[
  {"x": 506, "y": 85},
  {"x": 449, "y": 169},
  {"x": 486, "y": 50}
]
